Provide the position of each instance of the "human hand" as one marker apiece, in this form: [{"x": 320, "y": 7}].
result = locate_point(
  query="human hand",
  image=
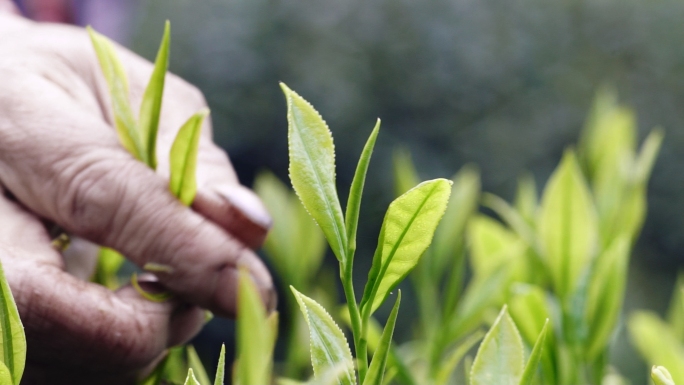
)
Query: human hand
[{"x": 61, "y": 162}]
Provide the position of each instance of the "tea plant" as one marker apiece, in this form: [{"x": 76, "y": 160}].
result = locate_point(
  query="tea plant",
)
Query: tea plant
[
  {"x": 661, "y": 342},
  {"x": 139, "y": 137},
  {"x": 12, "y": 337},
  {"x": 406, "y": 233}
]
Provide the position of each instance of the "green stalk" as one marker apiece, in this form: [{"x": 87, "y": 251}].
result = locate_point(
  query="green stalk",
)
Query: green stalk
[{"x": 355, "y": 316}]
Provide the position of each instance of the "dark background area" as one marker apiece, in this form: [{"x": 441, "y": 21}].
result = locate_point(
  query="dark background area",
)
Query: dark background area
[{"x": 502, "y": 84}]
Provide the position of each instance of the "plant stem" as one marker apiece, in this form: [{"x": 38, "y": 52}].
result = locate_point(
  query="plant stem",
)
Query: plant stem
[{"x": 355, "y": 316}]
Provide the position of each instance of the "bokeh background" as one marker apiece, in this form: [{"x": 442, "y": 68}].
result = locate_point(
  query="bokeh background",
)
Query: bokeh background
[{"x": 503, "y": 84}]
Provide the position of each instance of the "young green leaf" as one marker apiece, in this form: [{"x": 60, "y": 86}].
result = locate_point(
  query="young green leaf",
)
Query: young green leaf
[
  {"x": 448, "y": 240},
  {"x": 406, "y": 233},
  {"x": 221, "y": 367},
  {"x": 117, "y": 81},
  {"x": 567, "y": 226},
  {"x": 254, "y": 336},
  {"x": 605, "y": 294},
  {"x": 329, "y": 347},
  {"x": 648, "y": 154},
  {"x": 312, "y": 169},
  {"x": 526, "y": 198},
  {"x": 491, "y": 245},
  {"x": 191, "y": 380},
  {"x": 376, "y": 370},
  {"x": 5, "y": 375},
  {"x": 449, "y": 364},
  {"x": 661, "y": 376},
  {"x": 405, "y": 174},
  {"x": 183, "y": 158},
  {"x": 12, "y": 337},
  {"x": 295, "y": 245},
  {"x": 356, "y": 189},
  {"x": 152, "y": 100},
  {"x": 657, "y": 343},
  {"x": 535, "y": 357},
  {"x": 109, "y": 262},
  {"x": 196, "y": 364},
  {"x": 499, "y": 359}
]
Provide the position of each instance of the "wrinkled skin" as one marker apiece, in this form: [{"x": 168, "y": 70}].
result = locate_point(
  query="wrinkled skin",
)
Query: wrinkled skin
[{"x": 61, "y": 164}]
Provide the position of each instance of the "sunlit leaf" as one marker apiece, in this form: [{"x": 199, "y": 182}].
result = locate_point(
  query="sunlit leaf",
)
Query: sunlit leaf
[
  {"x": 329, "y": 347},
  {"x": 405, "y": 174},
  {"x": 191, "y": 380},
  {"x": 376, "y": 371},
  {"x": 605, "y": 295},
  {"x": 196, "y": 365},
  {"x": 221, "y": 367},
  {"x": 499, "y": 359},
  {"x": 254, "y": 336},
  {"x": 526, "y": 198},
  {"x": 12, "y": 337},
  {"x": 5, "y": 375},
  {"x": 648, "y": 154},
  {"x": 535, "y": 357},
  {"x": 152, "y": 100},
  {"x": 657, "y": 343},
  {"x": 117, "y": 81},
  {"x": 463, "y": 202},
  {"x": 356, "y": 189},
  {"x": 183, "y": 158},
  {"x": 406, "y": 232},
  {"x": 492, "y": 245},
  {"x": 312, "y": 169},
  {"x": 567, "y": 226}
]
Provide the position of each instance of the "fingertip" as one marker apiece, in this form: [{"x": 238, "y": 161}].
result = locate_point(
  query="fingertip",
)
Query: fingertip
[{"x": 237, "y": 210}]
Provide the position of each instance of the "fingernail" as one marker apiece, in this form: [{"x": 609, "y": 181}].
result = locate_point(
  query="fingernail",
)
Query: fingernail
[{"x": 247, "y": 202}]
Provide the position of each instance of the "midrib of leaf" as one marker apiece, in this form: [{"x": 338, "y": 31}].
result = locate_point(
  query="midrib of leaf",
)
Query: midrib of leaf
[
  {"x": 390, "y": 256},
  {"x": 320, "y": 332},
  {"x": 8, "y": 344},
  {"x": 343, "y": 252}
]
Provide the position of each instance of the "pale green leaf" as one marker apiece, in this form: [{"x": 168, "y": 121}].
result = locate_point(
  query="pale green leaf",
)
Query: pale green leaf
[
  {"x": 511, "y": 217},
  {"x": 117, "y": 82},
  {"x": 12, "y": 337},
  {"x": 657, "y": 343},
  {"x": 479, "y": 296},
  {"x": 648, "y": 154},
  {"x": 605, "y": 295},
  {"x": 295, "y": 245},
  {"x": 675, "y": 312},
  {"x": 312, "y": 169},
  {"x": 448, "y": 365},
  {"x": 5, "y": 375},
  {"x": 196, "y": 364},
  {"x": 191, "y": 380},
  {"x": 526, "y": 198},
  {"x": 567, "y": 226},
  {"x": 356, "y": 189},
  {"x": 376, "y": 371},
  {"x": 406, "y": 233},
  {"x": 500, "y": 357},
  {"x": 448, "y": 240},
  {"x": 492, "y": 245},
  {"x": 254, "y": 336},
  {"x": 183, "y": 158},
  {"x": 661, "y": 376},
  {"x": 329, "y": 347},
  {"x": 221, "y": 367},
  {"x": 535, "y": 357},
  {"x": 405, "y": 174},
  {"x": 150, "y": 108}
]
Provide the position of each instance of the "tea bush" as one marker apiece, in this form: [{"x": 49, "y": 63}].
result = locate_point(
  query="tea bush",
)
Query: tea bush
[{"x": 546, "y": 277}]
